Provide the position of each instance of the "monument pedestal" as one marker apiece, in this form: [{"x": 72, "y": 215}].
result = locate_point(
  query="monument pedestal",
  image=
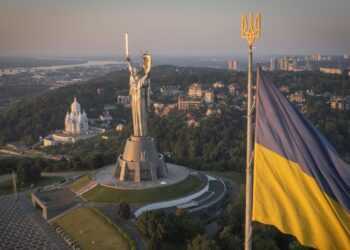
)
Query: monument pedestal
[{"x": 140, "y": 161}]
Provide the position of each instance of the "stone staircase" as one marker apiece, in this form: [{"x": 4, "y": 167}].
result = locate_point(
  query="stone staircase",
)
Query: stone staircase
[{"x": 86, "y": 188}]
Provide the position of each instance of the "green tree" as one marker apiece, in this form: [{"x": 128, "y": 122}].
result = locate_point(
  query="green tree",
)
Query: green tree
[
  {"x": 152, "y": 225},
  {"x": 27, "y": 173},
  {"x": 202, "y": 242},
  {"x": 229, "y": 240},
  {"x": 153, "y": 244},
  {"x": 77, "y": 162},
  {"x": 295, "y": 245},
  {"x": 124, "y": 210}
]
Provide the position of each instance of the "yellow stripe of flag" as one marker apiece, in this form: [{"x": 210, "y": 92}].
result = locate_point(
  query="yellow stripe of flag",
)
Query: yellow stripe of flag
[{"x": 291, "y": 200}]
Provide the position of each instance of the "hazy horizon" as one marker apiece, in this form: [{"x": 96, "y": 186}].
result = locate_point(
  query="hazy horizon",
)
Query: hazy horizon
[{"x": 170, "y": 28}]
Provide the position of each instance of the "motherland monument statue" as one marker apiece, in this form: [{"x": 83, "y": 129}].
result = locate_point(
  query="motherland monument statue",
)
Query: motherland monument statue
[
  {"x": 140, "y": 94},
  {"x": 140, "y": 160}
]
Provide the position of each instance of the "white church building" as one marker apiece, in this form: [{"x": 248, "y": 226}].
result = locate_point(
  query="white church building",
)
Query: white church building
[
  {"x": 76, "y": 127},
  {"x": 76, "y": 122}
]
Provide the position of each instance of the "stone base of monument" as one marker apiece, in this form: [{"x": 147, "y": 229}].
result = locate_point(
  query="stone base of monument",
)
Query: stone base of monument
[
  {"x": 176, "y": 174},
  {"x": 140, "y": 161}
]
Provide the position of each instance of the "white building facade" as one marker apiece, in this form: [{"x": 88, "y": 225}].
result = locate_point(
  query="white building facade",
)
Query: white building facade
[{"x": 76, "y": 122}]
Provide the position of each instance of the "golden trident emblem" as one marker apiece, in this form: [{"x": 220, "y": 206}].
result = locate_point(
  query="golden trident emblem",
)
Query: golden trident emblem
[{"x": 251, "y": 28}]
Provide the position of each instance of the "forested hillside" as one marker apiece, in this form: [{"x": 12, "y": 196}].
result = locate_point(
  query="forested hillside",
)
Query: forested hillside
[
  {"x": 29, "y": 118},
  {"x": 216, "y": 144}
]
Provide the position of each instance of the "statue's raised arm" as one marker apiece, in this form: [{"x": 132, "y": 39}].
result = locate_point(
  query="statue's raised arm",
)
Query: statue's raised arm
[
  {"x": 127, "y": 58},
  {"x": 130, "y": 68}
]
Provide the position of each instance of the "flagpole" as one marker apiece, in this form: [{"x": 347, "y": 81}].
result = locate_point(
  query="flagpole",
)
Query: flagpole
[
  {"x": 251, "y": 31},
  {"x": 249, "y": 178},
  {"x": 14, "y": 183}
]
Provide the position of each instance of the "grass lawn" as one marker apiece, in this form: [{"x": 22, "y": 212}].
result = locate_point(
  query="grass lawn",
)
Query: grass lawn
[
  {"x": 80, "y": 183},
  {"x": 91, "y": 230},
  {"x": 105, "y": 194}
]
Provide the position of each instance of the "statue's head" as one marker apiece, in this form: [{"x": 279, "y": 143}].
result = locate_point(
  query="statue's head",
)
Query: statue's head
[{"x": 147, "y": 62}]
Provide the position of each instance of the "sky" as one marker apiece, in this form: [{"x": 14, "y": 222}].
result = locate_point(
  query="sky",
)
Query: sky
[{"x": 172, "y": 28}]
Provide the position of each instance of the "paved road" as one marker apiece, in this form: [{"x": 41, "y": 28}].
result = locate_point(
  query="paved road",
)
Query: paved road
[
  {"x": 65, "y": 174},
  {"x": 22, "y": 227}
]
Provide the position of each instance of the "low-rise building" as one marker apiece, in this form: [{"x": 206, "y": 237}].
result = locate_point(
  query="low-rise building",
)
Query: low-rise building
[
  {"x": 340, "y": 103},
  {"x": 123, "y": 100},
  {"x": 167, "y": 109},
  {"x": 297, "y": 97},
  {"x": 296, "y": 68},
  {"x": 170, "y": 90},
  {"x": 195, "y": 90},
  {"x": 162, "y": 109},
  {"x": 158, "y": 107},
  {"x": 192, "y": 121},
  {"x": 106, "y": 117},
  {"x": 284, "y": 89},
  {"x": 209, "y": 97},
  {"x": 218, "y": 85},
  {"x": 333, "y": 71},
  {"x": 310, "y": 92},
  {"x": 186, "y": 104},
  {"x": 213, "y": 111},
  {"x": 119, "y": 127},
  {"x": 233, "y": 89},
  {"x": 220, "y": 96}
]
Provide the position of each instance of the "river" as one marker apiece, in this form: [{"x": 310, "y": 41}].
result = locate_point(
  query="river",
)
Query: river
[{"x": 87, "y": 64}]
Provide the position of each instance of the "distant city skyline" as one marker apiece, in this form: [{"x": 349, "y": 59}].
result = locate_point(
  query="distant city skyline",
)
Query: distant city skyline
[{"x": 172, "y": 28}]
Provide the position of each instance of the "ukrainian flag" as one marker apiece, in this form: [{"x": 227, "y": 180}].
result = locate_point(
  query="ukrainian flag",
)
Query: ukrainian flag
[{"x": 301, "y": 185}]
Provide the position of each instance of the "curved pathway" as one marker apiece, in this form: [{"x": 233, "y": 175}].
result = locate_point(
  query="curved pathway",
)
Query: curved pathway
[{"x": 176, "y": 202}]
